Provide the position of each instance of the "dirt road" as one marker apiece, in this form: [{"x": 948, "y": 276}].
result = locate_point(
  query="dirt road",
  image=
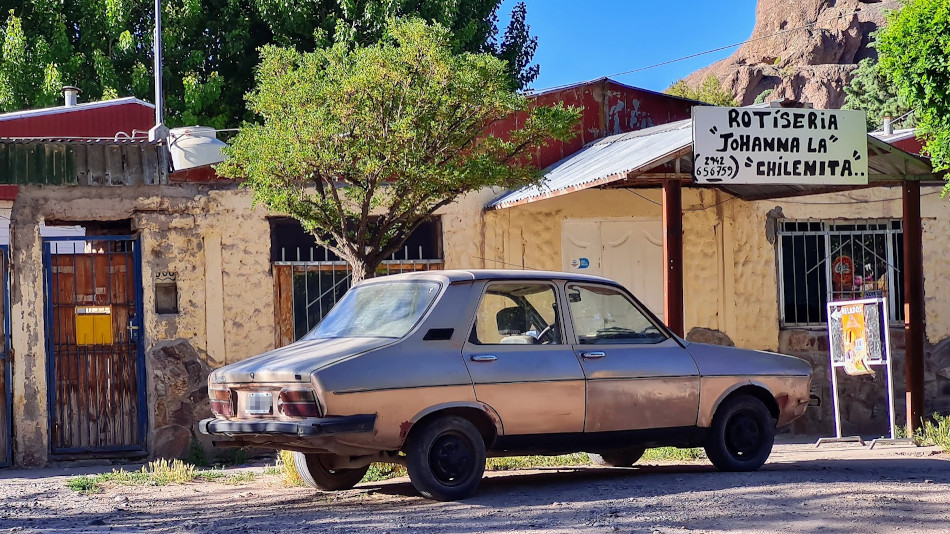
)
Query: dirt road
[{"x": 835, "y": 488}]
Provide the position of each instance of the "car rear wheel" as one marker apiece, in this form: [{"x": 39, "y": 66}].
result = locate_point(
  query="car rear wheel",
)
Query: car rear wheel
[
  {"x": 618, "y": 458},
  {"x": 446, "y": 458},
  {"x": 741, "y": 436},
  {"x": 314, "y": 469}
]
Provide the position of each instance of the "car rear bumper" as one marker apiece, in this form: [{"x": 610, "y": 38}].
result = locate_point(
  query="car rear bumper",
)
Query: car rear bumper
[{"x": 322, "y": 426}]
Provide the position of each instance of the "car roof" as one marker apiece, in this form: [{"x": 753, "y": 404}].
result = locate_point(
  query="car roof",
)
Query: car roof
[{"x": 468, "y": 275}]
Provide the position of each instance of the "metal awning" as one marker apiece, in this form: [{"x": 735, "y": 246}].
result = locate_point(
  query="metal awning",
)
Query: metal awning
[
  {"x": 641, "y": 158},
  {"x": 662, "y": 157}
]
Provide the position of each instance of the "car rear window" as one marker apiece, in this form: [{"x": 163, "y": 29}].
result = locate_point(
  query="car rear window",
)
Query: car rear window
[{"x": 377, "y": 310}]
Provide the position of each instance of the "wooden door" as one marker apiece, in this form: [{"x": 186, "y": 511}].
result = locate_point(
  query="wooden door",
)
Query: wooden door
[{"x": 95, "y": 358}]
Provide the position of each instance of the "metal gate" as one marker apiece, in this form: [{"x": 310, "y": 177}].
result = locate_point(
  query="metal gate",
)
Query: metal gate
[
  {"x": 96, "y": 362},
  {"x": 6, "y": 377},
  {"x": 304, "y": 291}
]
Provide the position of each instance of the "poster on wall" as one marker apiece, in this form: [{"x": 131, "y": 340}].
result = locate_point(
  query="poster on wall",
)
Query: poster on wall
[{"x": 779, "y": 146}]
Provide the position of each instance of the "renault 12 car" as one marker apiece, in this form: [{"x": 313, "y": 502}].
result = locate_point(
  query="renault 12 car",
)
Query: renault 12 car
[{"x": 437, "y": 370}]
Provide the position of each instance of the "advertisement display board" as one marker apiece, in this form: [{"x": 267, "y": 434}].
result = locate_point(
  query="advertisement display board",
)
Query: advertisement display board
[
  {"x": 779, "y": 146},
  {"x": 858, "y": 340}
]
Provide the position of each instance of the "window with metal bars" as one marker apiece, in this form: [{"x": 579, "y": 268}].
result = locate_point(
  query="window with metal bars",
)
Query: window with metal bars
[
  {"x": 310, "y": 279},
  {"x": 822, "y": 261}
]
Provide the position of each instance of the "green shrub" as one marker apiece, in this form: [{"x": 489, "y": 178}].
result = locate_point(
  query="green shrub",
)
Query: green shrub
[{"x": 936, "y": 432}]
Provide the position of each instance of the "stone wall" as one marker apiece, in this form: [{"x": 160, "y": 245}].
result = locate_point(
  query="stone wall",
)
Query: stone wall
[{"x": 217, "y": 246}]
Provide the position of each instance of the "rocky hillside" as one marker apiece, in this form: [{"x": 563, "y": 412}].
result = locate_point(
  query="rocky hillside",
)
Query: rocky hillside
[{"x": 812, "y": 64}]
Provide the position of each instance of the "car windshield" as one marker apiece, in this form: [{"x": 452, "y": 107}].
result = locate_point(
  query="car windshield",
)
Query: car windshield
[{"x": 377, "y": 310}]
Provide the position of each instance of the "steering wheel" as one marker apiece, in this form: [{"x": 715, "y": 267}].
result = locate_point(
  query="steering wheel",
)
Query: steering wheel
[{"x": 547, "y": 331}]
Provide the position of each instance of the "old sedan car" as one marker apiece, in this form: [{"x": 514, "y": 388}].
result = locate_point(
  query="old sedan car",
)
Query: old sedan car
[{"x": 438, "y": 369}]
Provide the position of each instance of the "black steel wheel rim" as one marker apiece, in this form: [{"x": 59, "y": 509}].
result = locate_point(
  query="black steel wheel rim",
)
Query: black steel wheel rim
[
  {"x": 451, "y": 459},
  {"x": 326, "y": 468},
  {"x": 743, "y": 436}
]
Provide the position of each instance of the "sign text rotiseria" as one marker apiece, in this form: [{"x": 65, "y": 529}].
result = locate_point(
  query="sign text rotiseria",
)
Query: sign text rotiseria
[{"x": 779, "y": 146}]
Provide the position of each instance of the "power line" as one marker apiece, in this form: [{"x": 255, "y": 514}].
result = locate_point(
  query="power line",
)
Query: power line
[{"x": 726, "y": 47}]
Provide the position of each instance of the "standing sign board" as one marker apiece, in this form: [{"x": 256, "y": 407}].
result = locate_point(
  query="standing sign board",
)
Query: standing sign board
[
  {"x": 859, "y": 339},
  {"x": 779, "y": 146}
]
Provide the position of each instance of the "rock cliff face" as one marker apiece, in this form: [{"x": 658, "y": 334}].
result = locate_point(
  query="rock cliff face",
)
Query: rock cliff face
[{"x": 804, "y": 50}]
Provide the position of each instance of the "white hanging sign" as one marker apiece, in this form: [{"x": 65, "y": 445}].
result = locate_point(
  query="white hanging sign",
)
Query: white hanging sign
[{"x": 779, "y": 146}]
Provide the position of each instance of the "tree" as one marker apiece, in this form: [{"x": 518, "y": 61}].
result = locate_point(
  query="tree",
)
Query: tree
[
  {"x": 710, "y": 92},
  {"x": 869, "y": 91},
  {"x": 914, "y": 55},
  {"x": 364, "y": 144},
  {"x": 104, "y": 48}
]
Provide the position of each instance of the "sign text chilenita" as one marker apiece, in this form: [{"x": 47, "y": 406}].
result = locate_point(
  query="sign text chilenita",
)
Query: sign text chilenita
[{"x": 779, "y": 146}]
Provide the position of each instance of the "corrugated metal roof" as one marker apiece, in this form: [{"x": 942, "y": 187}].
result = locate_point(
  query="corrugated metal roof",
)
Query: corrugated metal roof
[
  {"x": 13, "y": 115},
  {"x": 78, "y": 140},
  {"x": 51, "y": 163},
  {"x": 604, "y": 161},
  {"x": 614, "y": 158},
  {"x": 897, "y": 135}
]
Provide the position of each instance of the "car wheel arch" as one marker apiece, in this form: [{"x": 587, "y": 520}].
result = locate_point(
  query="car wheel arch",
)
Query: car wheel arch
[
  {"x": 751, "y": 389},
  {"x": 484, "y": 418}
]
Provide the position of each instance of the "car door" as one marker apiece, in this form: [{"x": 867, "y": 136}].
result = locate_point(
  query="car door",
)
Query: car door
[
  {"x": 519, "y": 361},
  {"x": 638, "y": 375}
]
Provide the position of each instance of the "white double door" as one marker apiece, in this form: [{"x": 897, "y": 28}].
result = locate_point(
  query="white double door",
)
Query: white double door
[{"x": 629, "y": 251}]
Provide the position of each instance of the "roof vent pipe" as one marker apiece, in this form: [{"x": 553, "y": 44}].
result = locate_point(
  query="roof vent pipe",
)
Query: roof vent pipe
[
  {"x": 70, "y": 94},
  {"x": 888, "y": 125}
]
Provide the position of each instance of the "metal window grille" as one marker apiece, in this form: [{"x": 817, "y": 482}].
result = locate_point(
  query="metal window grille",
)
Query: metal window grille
[
  {"x": 319, "y": 281},
  {"x": 822, "y": 261}
]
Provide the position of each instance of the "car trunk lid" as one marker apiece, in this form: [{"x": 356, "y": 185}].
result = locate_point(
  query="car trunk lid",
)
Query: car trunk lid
[{"x": 296, "y": 361}]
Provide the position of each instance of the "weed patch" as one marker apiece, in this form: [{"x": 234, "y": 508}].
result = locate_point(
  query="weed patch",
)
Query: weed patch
[
  {"x": 157, "y": 473},
  {"x": 674, "y": 454},
  {"x": 936, "y": 432}
]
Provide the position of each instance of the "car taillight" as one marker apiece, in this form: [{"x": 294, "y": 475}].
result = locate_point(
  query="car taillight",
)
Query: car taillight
[
  {"x": 221, "y": 401},
  {"x": 298, "y": 403}
]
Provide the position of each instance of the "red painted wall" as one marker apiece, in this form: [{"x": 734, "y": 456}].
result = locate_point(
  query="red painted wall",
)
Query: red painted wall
[
  {"x": 101, "y": 121},
  {"x": 912, "y": 145},
  {"x": 609, "y": 108}
]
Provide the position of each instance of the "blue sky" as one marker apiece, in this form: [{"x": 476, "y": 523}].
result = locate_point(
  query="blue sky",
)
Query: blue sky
[{"x": 583, "y": 40}]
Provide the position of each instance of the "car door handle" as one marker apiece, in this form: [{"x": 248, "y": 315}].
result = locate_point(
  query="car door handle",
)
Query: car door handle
[
  {"x": 593, "y": 355},
  {"x": 483, "y": 358}
]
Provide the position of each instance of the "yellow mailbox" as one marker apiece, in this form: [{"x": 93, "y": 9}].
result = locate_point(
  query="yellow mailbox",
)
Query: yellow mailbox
[{"x": 94, "y": 325}]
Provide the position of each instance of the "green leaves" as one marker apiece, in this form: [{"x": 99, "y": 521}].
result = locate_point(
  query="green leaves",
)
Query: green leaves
[
  {"x": 870, "y": 91},
  {"x": 914, "y": 53},
  {"x": 104, "y": 46},
  {"x": 362, "y": 144},
  {"x": 710, "y": 92}
]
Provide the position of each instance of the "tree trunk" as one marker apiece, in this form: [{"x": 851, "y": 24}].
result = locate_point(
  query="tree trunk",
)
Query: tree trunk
[{"x": 362, "y": 268}]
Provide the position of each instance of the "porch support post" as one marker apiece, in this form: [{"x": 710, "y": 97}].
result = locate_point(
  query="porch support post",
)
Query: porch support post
[
  {"x": 673, "y": 256},
  {"x": 914, "y": 321}
]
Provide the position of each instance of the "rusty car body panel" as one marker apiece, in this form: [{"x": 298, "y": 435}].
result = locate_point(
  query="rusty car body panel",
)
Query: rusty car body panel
[{"x": 548, "y": 380}]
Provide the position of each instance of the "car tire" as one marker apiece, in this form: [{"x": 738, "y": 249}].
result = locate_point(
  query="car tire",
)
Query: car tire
[
  {"x": 314, "y": 471},
  {"x": 618, "y": 458},
  {"x": 741, "y": 435},
  {"x": 446, "y": 458}
]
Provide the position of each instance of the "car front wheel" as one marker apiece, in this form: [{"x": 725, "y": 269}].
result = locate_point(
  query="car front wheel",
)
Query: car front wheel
[
  {"x": 446, "y": 458},
  {"x": 314, "y": 469},
  {"x": 741, "y": 436}
]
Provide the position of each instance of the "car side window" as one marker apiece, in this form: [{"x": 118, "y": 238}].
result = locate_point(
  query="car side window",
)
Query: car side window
[
  {"x": 604, "y": 315},
  {"x": 517, "y": 314}
]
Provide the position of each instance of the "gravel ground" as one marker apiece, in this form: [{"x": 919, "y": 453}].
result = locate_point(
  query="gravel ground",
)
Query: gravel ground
[{"x": 834, "y": 488}]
